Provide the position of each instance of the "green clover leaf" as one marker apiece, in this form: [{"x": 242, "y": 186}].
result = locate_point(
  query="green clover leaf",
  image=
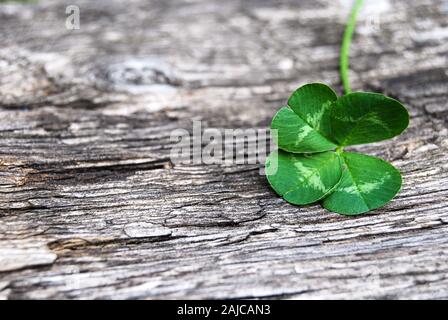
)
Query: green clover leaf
[
  {"x": 301, "y": 126},
  {"x": 348, "y": 183},
  {"x": 311, "y": 133},
  {"x": 367, "y": 183},
  {"x": 302, "y": 178},
  {"x": 362, "y": 117}
]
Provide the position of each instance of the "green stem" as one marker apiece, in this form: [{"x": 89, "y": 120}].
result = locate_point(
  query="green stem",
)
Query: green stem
[{"x": 345, "y": 48}]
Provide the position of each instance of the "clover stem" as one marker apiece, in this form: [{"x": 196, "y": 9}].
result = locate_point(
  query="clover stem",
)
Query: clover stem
[{"x": 345, "y": 48}]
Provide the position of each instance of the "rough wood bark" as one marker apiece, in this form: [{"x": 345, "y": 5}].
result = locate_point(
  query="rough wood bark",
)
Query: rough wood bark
[{"x": 92, "y": 207}]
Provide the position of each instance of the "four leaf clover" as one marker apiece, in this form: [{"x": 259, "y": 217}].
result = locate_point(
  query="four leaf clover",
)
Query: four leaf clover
[{"x": 311, "y": 164}]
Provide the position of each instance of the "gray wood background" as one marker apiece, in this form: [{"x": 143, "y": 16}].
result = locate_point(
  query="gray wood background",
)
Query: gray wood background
[{"x": 92, "y": 207}]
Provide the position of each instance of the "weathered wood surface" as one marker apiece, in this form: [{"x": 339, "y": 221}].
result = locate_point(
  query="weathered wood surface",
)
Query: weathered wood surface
[{"x": 92, "y": 207}]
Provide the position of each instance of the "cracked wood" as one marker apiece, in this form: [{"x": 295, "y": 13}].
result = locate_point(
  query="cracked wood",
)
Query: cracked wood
[{"x": 92, "y": 207}]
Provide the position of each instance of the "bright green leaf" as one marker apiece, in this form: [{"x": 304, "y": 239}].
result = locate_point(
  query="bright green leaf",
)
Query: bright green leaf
[
  {"x": 293, "y": 134},
  {"x": 311, "y": 103},
  {"x": 367, "y": 183},
  {"x": 300, "y": 128},
  {"x": 303, "y": 179},
  {"x": 363, "y": 117}
]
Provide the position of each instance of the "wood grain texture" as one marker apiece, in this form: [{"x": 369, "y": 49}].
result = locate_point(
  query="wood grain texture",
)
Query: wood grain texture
[{"x": 92, "y": 207}]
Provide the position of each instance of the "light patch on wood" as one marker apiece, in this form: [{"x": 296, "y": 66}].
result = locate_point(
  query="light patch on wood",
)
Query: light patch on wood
[
  {"x": 19, "y": 254},
  {"x": 146, "y": 230}
]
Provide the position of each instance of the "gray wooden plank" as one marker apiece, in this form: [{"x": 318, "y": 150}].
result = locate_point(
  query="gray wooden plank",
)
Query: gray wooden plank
[{"x": 92, "y": 207}]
